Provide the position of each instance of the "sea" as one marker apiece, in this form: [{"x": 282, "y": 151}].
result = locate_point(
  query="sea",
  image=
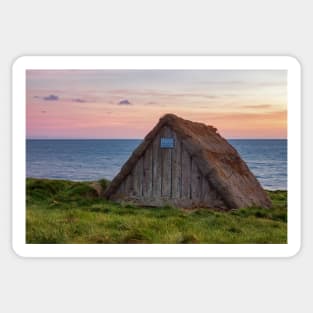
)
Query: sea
[{"x": 87, "y": 160}]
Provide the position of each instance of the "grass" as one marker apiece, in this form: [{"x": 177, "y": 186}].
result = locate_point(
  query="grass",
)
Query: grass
[{"x": 60, "y": 211}]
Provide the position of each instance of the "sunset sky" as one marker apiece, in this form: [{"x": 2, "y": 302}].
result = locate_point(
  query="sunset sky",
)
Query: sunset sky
[{"x": 128, "y": 103}]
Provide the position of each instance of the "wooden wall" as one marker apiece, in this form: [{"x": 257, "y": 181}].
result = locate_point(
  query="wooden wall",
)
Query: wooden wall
[{"x": 167, "y": 176}]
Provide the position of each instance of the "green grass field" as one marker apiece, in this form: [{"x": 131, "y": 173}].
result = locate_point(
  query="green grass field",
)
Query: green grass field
[{"x": 72, "y": 212}]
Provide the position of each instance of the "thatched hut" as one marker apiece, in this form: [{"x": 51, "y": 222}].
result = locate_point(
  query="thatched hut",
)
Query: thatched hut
[{"x": 186, "y": 164}]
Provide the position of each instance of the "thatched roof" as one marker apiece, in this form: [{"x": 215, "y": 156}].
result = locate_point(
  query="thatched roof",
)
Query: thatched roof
[{"x": 217, "y": 160}]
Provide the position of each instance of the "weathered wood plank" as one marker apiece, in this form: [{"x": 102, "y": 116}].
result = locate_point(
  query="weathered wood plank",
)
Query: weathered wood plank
[
  {"x": 129, "y": 184},
  {"x": 166, "y": 165},
  {"x": 157, "y": 168},
  {"x": 147, "y": 173},
  {"x": 138, "y": 177},
  {"x": 121, "y": 188},
  {"x": 186, "y": 171},
  {"x": 176, "y": 168},
  {"x": 196, "y": 181},
  {"x": 210, "y": 197},
  {"x": 205, "y": 190}
]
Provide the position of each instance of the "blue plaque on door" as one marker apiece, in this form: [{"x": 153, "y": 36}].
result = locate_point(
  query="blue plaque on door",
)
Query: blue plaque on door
[{"x": 167, "y": 143}]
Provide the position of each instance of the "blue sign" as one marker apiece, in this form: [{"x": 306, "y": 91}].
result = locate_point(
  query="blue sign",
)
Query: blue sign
[{"x": 167, "y": 143}]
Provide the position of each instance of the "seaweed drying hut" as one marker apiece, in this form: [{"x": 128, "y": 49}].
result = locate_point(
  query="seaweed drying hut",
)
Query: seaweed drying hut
[{"x": 186, "y": 164}]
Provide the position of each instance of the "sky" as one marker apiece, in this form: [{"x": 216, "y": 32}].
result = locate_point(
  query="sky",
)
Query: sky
[{"x": 103, "y": 104}]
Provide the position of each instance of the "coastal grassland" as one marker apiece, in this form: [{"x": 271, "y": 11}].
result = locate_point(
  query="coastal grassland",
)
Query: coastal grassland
[{"x": 60, "y": 211}]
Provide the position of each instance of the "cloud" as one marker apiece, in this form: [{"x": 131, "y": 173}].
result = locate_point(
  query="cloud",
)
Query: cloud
[
  {"x": 257, "y": 106},
  {"x": 232, "y": 95},
  {"x": 250, "y": 117},
  {"x": 51, "y": 98},
  {"x": 155, "y": 104},
  {"x": 79, "y": 100},
  {"x": 225, "y": 82},
  {"x": 193, "y": 95},
  {"x": 124, "y": 102},
  {"x": 162, "y": 93}
]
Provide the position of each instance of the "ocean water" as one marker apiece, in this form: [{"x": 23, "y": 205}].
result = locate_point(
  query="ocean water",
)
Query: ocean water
[{"x": 82, "y": 160}]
